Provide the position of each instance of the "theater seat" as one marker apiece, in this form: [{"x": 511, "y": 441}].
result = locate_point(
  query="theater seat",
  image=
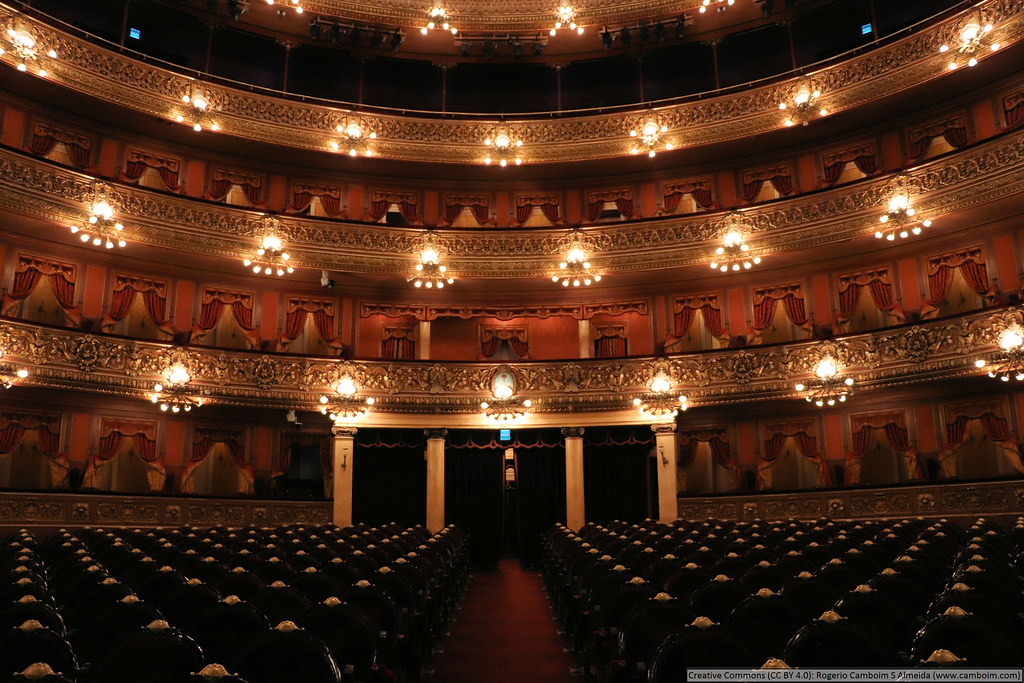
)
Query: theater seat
[
  {"x": 39, "y": 672},
  {"x": 346, "y": 633},
  {"x": 156, "y": 653},
  {"x": 649, "y": 625},
  {"x": 832, "y": 641},
  {"x": 765, "y": 622},
  {"x": 970, "y": 637},
  {"x": 94, "y": 636},
  {"x": 224, "y": 629},
  {"x": 30, "y": 643},
  {"x": 214, "y": 673},
  {"x": 701, "y": 644},
  {"x": 287, "y": 654}
]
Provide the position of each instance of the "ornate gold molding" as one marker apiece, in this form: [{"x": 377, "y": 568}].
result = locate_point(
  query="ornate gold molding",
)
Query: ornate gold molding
[
  {"x": 886, "y": 358},
  {"x": 983, "y": 173},
  {"x": 577, "y": 311},
  {"x": 144, "y": 88}
]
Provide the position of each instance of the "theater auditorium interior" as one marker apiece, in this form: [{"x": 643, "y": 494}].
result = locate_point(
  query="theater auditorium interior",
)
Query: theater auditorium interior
[{"x": 509, "y": 341}]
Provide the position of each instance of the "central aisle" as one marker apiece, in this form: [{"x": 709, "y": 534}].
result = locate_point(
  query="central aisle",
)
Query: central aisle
[{"x": 504, "y": 632}]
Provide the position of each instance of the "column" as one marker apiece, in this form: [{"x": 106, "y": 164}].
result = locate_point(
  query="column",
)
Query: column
[
  {"x": 344, "y": 438},
  {"x": 585, "y": 344},
  {"x": 435, "y": 478},
  {"x": 575, "y": 512},
  {"x": 665, "y": 448},
  {"x": 423, "y": 340}
]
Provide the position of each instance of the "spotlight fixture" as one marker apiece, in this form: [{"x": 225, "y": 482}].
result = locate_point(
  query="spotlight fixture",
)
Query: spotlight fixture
[
  {"x": 354, "y": 137},
  {"x": 314, "y": 29},
  {"x": 9, "y": 373},
  {"x": 648, "y": 138},
  {"x": 900, "y": 218},
  {"x": 26, "y": 49},
  {"x": 575, "y": 269},
  {"x": 503, "y": 406},
  {"x": 974, "y": 36},
  {"x": 660, "y": 402},
  {"x": 1009, "y": 360},
  {"x": 270, "y": 257},
  {"x": 198, "y": 105},
  {"x": 100, "y": 228},
  {"x": 504, "y": 147},
  {"x": 566, "y": 19},
  {"x": 734, "y": 254},
  {"x": 174, "y": 395},
  {"x": 625, "y": 36},
  {"x": 429, "y": 271},
  {"x": 345, "y": 405},
  {"x": 396, "y": 40},
  {"x": 801, "y": 105},
  {"x": 719, "y": 5},
  {"x": 827, "y": 387},
  {"x": 606, "y": 39},
  {"x": 438, "y": 17}
]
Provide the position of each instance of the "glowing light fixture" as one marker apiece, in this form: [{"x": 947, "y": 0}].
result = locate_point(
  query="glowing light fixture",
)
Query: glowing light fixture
[
  {"x": 504, "y": 147},
  {"x": 719, "y": 5},
  {"x": 270, "y": 257},
  {"x": 648, "y": 138},
  {"x": 26, "y": 50},
  {"x": 566, "y": 19},
  {"x": 429, "y": 271},
  {"x": 734, "y": 254},
  {"x": 900, "y": 218},
  {"x": 100, "y": 228},
  {"x": 828, "y": 387},
  {"x": 974, "y": 41},
  {"x": 575, "y": 269},
  {"x": 439, "y": 17},
  {"x": 1008, "y": 362},
  {"x": 197, "y": 110},
  {"x": 174, "y": 394},
  {"x": 802, "y": 104},
  {"x": 345, "y": 405},
  {"x": 354, "y": 137},
  {"x": 8, "y": 373},
  {"x": 504, "y": 407},
  {"x": 661, "y": 402}
]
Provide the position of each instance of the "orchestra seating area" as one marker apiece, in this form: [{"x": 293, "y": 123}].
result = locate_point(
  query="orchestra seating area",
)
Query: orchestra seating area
[
  {"x": 643, "y": 602},
  {"x": 318, "y": 604}
]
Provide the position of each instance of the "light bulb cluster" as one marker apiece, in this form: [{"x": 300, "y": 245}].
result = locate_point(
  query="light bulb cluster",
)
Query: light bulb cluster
[
  {"x": 648, "y": 138},
  {"x": 899, "y": 219},
  {"x": 661, "y": 403},
  {"x": 575, "y": 269},
  {"x": 1009, "y": 361},
  {"x": 174, "y": 395},
  {"x": 438, "y": 17},
  {"x": 566, "y": 19},
  {"x": 429, "y": 271},
  {"x": 827, "y": 387},
  {"x": 26, "y": 50},
  {"x": 345, "y": 405},
  {"x": 197, "y": 111},
  {"x": 270, "y": 257},
  {"x": 719, "y": 5},
  {"x": 504, "y": 148},
  {"x": 294, "y": 4},
  {"x": 972, "y": 41},
  {"x": 503, "y": 407},
  {"x": 353, "y": 140},
  {"x": 802, "y": 106},
  {"x": 734, "y": 253},
  {"x": 100, "y": 228}
]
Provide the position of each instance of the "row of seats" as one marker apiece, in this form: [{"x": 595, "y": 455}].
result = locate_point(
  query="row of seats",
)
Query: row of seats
[
  {"x": 316, "y": 604},
  {"x": 644, "y": 602}
]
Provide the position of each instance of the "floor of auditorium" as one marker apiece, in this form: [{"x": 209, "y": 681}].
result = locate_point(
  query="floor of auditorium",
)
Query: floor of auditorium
[{"x": 504, "y": 631}]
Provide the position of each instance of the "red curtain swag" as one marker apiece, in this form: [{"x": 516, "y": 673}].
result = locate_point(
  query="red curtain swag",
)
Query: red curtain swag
[
  {"x": 295, "y": 323},
  {"x": 121, "y": 302},
  {"x": 43, "y": 143},
  {"x": 941, "y": 279},
  {"x": 881, "y": 292},
  {"x": 398, "y": 348},
  {"x": 25, "y": 282},
  {"x": 610, "y": 347},
  {"x": 764, "y": 310},
  {"x": 712, "y": 316}
]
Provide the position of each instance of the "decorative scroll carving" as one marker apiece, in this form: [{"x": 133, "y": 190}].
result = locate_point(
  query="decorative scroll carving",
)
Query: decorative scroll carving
[
  {"x": 579, "y": 312},
  {"x": 609, "y": 195}
]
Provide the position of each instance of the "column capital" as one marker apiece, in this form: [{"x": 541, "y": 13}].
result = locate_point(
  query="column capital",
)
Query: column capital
[
  {"x": 435, "y": 433},
  {"x": 572, "y": 432},
  {"x": 664, "y": 428},
  {"x": 343, "y": 432}
]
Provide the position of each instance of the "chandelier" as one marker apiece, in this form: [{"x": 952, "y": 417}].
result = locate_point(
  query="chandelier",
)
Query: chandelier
[
  {"x": 174, "y": 395},
  {"x": 503, "y": 407},
  {"x": 270, "y": 257},
  {"x": 25, "y": 49},
  {"x": 429, "y": 271},
  {"x": 734, "y": 254},
  {"x": 802, "y": 104},
  {"x": 354, "y": 139},
  {"x": 971, "y": 43},
  {"x": 648, "y": 137},
  {"x": 504, "y": 147},
  {"x": 100, "y": 228},
  {"x": 827, "y": 387},
  {"x": 566, "y": 18},
  {"x": 719, "y": 5},
  {"x": 345, "y": 405},
  {"x": 1009, "y": 361},
  {"x": 197, "y": 111},
  {"x": 660, "y": 403},
  {"x": 8, "y": 373},
  {"x": 438, "y": 16},
  {"x": 294, "y": 4},
  {"x": 899, "y": 217},
  {"x": 575, "y": 269}
]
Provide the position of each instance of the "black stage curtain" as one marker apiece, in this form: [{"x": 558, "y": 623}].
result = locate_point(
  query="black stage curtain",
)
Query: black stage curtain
[
  {"x": 473, "y": 497},
  {"x": 389, "y": 477},
  {"x": 615, "y": 473},
  {"x": 540, "y": 495}
]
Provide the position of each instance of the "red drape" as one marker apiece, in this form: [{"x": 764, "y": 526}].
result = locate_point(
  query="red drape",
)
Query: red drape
[
  {"x": 711, "y": 314},
  {"x": 877, "y": 284},
  {"x": 323, "y": 320},
  {"x": 378, "y": 209},
  {"x": 213, "y": 306},
  {"x": 136, "y": 164},
  {"x": 699, "y": 191},
  {"x": 26, "y": 280},
  {"x": 1013, "y": 108},
  {"x": 594, "y": 210},
  {"x": 10, "y": 437},
  {"x": 489, "y": 347},
  {"x": 764, "y": 310},
  {"x": 610, "y": 347},
  {"x": 122, "y": 299},
  {"x": 44, "y": 139},
  {"x": 408, "y": 211},
  {"x": 941, "y": 277},
  {"x": 398, "y": 348},
  {"x": 303, "y": 195},
  {"x": 42, "y": 144},
  {"x": 203, "y": 445},
  {"x": 219, "y": 189},
  {"x": 625, "y": 207}
]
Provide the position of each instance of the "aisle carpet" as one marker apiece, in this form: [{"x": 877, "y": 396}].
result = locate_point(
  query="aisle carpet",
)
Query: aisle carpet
[{"x": 504, "y": 633}]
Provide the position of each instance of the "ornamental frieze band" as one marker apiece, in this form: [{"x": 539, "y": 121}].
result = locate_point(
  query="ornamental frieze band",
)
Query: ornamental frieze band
[
  {"x": 981, "y": 174},
  {"x": 92, "y": 70},
  {"x": 886, "y": 358}
]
